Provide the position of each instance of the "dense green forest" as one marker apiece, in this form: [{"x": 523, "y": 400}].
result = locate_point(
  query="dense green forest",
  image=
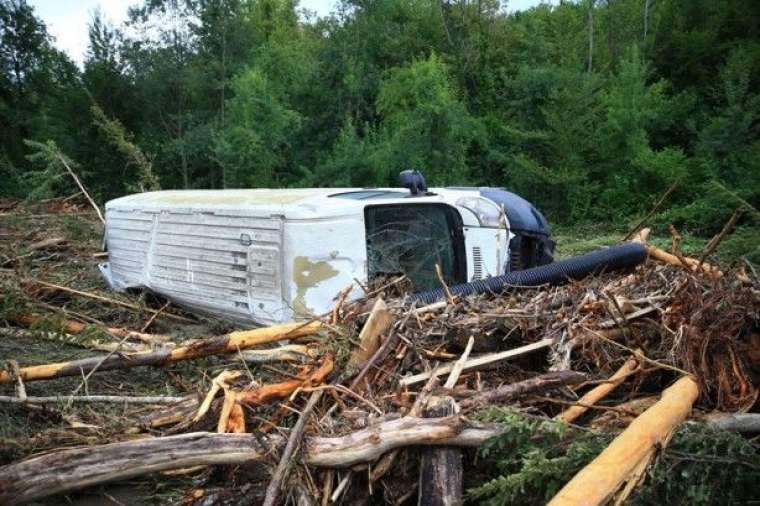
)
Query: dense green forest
[{"x": 591, "y": 109}]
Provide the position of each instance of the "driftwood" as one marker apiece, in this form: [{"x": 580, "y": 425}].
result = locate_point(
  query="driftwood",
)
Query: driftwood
[
  {"x": 72, "y": 469},
  {"x": 620, "y": 467},
  {"x": 479, "y": 361},
  {"x": 537, "y": 384},
  {"x": 227, "y": 343},
  {"x": 598, "y": 393}
]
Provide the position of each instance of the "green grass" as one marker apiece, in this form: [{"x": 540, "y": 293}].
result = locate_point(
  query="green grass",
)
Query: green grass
[{"x": 574, "y": 240}]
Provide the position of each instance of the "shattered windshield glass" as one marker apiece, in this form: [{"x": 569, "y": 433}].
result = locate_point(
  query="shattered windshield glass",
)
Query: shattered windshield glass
[{"x": 411, "y": 240}]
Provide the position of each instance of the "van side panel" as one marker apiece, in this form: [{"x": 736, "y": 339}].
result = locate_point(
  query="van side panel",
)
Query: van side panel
[{"x": 322, "y": 257}]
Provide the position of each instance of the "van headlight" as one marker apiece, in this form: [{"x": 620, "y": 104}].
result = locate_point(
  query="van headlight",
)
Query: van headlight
[{"x": 488, "y": 213}]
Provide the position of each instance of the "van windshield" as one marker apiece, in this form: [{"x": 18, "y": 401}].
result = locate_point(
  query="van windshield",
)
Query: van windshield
[{"x": 411, "y": 239}]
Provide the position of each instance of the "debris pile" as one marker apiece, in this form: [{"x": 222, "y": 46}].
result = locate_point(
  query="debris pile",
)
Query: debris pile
[{"x": 380, "y": 401}]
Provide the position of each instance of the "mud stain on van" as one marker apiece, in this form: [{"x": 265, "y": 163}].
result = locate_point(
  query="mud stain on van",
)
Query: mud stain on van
[{"x": 307, "y": 275}]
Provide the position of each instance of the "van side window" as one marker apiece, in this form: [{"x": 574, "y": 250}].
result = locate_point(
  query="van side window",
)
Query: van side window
[{"x": 411, "y": 239}]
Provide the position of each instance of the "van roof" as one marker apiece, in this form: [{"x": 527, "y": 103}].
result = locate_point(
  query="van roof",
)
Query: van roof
[{"x": 291, "y": 203}]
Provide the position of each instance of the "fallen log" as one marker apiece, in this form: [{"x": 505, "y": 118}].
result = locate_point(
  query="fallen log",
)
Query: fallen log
[
  {"x": 599, "y": 392},
  {"x": 533, "y": 385},
  {"x": 72, "y": 469},
  {"x": 227, "y": 343},
  {"x": 744, "y": 423},
  {"x": 620, "y": 467}
]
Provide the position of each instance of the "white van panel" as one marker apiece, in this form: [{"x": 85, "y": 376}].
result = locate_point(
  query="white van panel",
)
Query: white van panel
[{"x": 206, "y": 260}]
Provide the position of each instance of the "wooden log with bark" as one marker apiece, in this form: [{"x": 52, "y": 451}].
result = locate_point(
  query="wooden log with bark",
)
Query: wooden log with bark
[
  {"x": 227, "y": 343},
  {"x": 72, "y": 469},
  {"x": 744, "y": 423},
  {"x": 440, "y": 480},
  {"x": 513, "y": 391},
  {"x": 622, "y": 465}
]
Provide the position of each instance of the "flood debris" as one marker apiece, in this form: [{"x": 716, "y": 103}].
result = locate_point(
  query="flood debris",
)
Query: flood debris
[{"x": 379, "y": 400}]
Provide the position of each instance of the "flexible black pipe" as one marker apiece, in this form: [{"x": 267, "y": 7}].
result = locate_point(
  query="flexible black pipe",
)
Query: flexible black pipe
[{"x": 608, "y": 259}]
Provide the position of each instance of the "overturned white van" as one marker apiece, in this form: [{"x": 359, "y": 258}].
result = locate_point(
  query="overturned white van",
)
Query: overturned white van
[{"x": 266, "y": 256}]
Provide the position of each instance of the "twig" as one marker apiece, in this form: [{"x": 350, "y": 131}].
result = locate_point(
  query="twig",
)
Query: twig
[
  {"x": 343, "y": 389},
  {"x": 95, "y": 368},
  {"x": 81, "y": 187},
  {"x": 715, "y": 241},
  {"x": 639, "y": 355},
  {"x": 100, "y": 298},
  {"x": 439, "y": 273},
  {"x": 155, "y": 315},
  {"x": 651, "y": 212},
  {"x": 584, "y": 405},
  {"x": 281, "y": 472},
  {"x": 92, "y": 399}
]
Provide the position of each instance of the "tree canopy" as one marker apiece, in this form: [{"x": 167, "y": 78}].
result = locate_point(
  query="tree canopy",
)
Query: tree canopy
[{"x": 590, "y": 108}]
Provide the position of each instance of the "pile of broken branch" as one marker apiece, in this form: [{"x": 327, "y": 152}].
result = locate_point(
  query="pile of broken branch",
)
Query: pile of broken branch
[{"x": 381, "y": 401}]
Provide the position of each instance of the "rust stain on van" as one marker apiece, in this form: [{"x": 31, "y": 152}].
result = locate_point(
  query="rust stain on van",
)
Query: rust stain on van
[{"x": 307, "y": 275}]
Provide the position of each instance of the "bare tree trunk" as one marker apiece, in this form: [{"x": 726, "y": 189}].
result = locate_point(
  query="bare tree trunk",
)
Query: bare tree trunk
[
  {"x": 646, "y": 19},
  {"x": 590, "y": 35}
]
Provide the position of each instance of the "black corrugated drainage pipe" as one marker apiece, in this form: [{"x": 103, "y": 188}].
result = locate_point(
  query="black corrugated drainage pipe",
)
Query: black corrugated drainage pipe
[{"x": 608, "y": 259}]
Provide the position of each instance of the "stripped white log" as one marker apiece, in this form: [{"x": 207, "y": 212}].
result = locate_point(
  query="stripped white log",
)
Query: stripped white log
[{"x": 479, "y": 361}]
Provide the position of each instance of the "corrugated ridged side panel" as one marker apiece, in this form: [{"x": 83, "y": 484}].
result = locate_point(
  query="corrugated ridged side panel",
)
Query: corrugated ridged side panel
[
  {"x": 128, "y": 237},
  {"x": 228, "y": 265}
]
